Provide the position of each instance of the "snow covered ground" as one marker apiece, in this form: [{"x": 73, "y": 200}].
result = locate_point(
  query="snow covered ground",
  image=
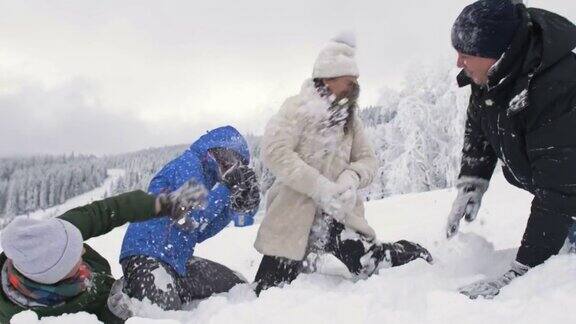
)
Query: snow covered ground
[{"x": 415, "y": 293}]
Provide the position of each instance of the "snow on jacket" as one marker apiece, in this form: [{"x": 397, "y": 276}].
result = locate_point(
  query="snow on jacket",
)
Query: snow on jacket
[
  {"x": 161, "y": 238},
  {"x": 299, "y": 151},
  {"x": 526, "y": 117}
]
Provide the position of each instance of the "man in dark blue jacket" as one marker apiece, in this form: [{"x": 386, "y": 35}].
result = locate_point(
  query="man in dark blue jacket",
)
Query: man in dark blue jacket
[{"x": 157, "y": 255}]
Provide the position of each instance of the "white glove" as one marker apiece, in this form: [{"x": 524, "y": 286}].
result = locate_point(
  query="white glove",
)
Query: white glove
[
  {"x": 337, "y": 198},
  {"x": 347, "y": 201},
  {"x": 118, "y": 302},
  {"x": 327, "y": 196},
  {"x": 350, "y": 180},
  {"x": 490, "y": 288},
  {"x": 467, "y": 203}
]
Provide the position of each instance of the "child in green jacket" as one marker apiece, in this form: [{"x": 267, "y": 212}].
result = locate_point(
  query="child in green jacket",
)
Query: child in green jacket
[{"x": 46, "y": 267}]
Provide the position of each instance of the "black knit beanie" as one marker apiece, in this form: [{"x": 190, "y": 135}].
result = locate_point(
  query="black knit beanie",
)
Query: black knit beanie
[{"x": 485, "y": 28}]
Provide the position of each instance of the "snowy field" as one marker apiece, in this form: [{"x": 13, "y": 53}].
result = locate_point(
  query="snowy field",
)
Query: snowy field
[{"x": 414, "y": 293}]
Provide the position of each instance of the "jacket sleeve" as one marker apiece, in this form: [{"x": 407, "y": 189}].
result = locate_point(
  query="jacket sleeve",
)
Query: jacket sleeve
[
  {"x": 100, "y": 217},
  {"x": 244, "y": 219},
  {"x": 163, "y": 180},
  {"x": 362, "y": 157},
  {"x": 478, "y": 156},
  {"x": 214, "y": 217},
  {"x": 281, "y": 136},
  {"x": 552, "y": 154},
  {"x": 222, "y": 220}
]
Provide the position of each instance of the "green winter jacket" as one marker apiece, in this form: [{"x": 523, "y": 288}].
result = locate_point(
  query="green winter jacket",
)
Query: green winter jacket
[{"x": 95, "y": 219}]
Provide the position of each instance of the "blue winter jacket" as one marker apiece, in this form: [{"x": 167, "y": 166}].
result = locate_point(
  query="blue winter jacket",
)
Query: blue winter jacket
[{"x": 160, "y": 238}]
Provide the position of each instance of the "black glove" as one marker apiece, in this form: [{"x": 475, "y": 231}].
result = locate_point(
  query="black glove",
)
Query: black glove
[
  {"x": 177, "y": 204},
  {"x": 403, "y": 251},
  {"x": 244, "y": 189},
  {"x": 244, "y": 201},
  {"x": 237, "y": 175}
]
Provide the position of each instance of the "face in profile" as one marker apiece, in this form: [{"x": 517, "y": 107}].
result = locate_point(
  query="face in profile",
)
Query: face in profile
[
  {"x": 476, "y": 68},
  {"x": 343, "y": 87}
]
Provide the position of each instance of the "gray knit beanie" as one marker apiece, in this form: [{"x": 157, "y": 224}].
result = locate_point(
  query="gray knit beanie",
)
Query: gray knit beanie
[{"x": 44, "y": 251}]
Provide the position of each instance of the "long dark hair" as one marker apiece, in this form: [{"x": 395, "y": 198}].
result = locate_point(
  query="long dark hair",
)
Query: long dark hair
[{"x": 336, "y": 108}]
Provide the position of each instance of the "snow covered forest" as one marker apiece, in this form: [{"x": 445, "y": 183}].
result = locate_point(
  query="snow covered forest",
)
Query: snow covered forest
[
  {"x": 32, "y": 183},
  {"x": 140, "y": 166},
  {"x": 417, "y": 133}
]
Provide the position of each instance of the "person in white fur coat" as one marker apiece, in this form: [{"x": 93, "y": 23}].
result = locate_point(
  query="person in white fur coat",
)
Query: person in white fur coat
[{"x": 317, "y": 149}]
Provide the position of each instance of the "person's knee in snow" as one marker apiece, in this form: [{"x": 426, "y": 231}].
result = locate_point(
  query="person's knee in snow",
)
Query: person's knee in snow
[
  {"x": 276, "y": 271},
  {"x": 206, "y": 278},
  {"x": 149, "y": 279}
]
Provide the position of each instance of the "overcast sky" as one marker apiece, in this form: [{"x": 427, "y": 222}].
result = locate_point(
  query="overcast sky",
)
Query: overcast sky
[{"x": 108, "y": 76}]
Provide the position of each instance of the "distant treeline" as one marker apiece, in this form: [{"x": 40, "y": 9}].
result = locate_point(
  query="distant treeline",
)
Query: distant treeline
[{"x": 32, "y": 183}]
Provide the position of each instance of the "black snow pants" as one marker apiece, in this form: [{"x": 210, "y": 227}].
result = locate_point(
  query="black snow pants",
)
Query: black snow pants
[
  {"x": 360, "y": 254},
  {"x": 147, "y": 277}
]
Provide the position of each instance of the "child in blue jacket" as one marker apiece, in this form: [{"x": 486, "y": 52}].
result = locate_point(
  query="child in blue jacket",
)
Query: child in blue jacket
[{"x": 158, "y": 255}]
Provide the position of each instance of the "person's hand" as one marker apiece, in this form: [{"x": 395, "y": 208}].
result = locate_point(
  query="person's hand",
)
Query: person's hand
[
  {"x": 244, "y": 188},
  {"x": 348, "y": 180},
  {"x": 491, "y": 287},
  {"x": 118, "y": 302},
  {"x": 178, "y": 203},
  {"x": 467, "y": 202},
  {"x": 327, "y": 196},
  {"x": 233, "y": 176},
  {"x": 346, "y": 202}
]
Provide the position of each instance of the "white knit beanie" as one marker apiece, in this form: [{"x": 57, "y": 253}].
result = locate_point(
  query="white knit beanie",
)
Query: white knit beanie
[
  {"x": 337, "y": 58},
  {"x": 44, "y": 251}
]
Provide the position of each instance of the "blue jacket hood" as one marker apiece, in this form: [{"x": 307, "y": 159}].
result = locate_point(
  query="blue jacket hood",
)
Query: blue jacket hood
[{"x": 226, "y": 137}]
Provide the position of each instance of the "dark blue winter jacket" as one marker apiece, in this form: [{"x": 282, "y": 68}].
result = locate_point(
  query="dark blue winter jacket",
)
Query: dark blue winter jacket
[{"x": 160, "y": 238}]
